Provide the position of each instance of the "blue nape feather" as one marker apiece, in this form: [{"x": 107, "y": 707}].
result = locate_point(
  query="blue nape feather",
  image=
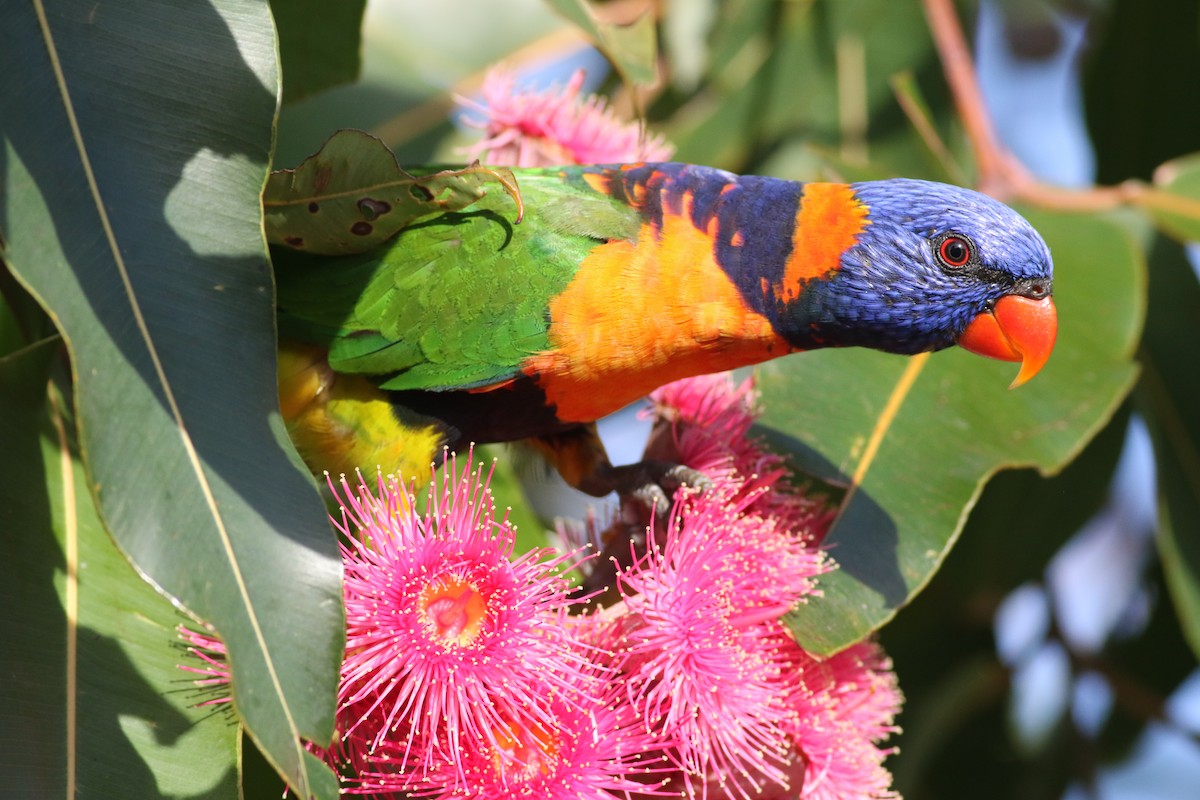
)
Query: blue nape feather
[{"x": 893, "y": 292}]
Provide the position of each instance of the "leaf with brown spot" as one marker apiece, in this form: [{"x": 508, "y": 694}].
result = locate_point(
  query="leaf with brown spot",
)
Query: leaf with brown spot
[{"x": 351, "y": 196}]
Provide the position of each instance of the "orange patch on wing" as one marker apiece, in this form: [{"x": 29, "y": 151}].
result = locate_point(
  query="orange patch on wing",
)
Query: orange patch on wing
[
  {"x": 599, "y": 181},
  {"x": 645, "y": 313},
  {"x": 829, "y": 222}
]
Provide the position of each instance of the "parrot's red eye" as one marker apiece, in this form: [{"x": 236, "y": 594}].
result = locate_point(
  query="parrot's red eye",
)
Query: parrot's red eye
[{"x": 954, "y": 251}]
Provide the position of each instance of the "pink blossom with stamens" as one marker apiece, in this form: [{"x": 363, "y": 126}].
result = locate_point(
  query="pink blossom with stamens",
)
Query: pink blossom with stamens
[
  {"x": 708, "y": 658},
  {"x": 703, "y": 659},
  {"x": 591, "y": 747},
  {"x": 448, "y": 636},
  {"x": 844, "y": 705},
  {"x": 552, "y": 127}
]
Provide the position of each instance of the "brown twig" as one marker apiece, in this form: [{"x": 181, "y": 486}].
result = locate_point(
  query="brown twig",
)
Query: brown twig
[
  {"x": 1000, "y": 174},
  {"x": 952, "y": 47}
]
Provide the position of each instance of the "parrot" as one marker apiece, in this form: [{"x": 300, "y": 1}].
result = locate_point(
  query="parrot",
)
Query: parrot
[{"x": 480, "y": 325}]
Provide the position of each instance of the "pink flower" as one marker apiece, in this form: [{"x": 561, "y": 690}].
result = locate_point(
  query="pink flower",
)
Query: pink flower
[
  {"x": 840, "y": 709},
  {"x": 700, "y": 633},
  {"x": 593, "y": 747},
  {"x": 705, "y": 422},
  {"x": 553, "y": 127},
  {"x": 703, "y": 658},
  {"x": 844, "y": 706},
  {"x": 707, "y": 660},
  {"x": 449, "y": 638}
]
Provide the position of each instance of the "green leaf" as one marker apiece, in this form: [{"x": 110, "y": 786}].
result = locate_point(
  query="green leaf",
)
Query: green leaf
[
  {"x": 632, "y": 47},
  {"x": 947, "y": 633},
  {"x": 131, "y": 212},
  {"x": 915, "y": 439},
  {"x": 1175, "y": 204},
  {"x": 817, "y": 74},
  {"x": 351, "y": 196},
  {"x": 319, "y": 44},
  {"x": 99, "y": 701},
  {"x": 908, "y": 95},
  {"x": 1171, "y": 396},
  {"x": 33, "y": 689},
  {"x": 22, "y": 320}
]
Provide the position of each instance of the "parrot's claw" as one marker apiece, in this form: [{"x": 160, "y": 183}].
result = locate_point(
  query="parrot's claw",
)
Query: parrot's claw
[
  {"x": 646, "y": 490},
  {"x": 651, "y": 485},
  {"x": 580, "y": 458}
]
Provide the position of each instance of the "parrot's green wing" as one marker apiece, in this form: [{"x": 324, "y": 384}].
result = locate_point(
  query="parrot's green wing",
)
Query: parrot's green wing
[{"x": 456, "y": 300}]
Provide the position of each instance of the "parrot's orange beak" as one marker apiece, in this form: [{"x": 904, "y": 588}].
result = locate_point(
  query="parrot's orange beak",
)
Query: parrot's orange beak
[{"x": 1017, "y": 329}]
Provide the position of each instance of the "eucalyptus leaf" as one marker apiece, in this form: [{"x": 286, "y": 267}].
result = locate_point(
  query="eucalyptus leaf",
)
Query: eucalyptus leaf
[
  {"x": 106, "y": 651},
  {"x": 319, "y": 44},
  {"x": 131, "y": 211},
  {"x": 914, "y": 440},
  {"x": 1170, "y": 396}
]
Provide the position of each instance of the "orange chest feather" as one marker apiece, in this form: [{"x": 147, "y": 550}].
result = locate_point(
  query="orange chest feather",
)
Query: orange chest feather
[{"x": 642, "y": 314}]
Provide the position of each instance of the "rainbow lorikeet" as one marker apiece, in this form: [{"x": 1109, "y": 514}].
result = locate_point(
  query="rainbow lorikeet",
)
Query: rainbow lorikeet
[{"x": 470, "y": 327}]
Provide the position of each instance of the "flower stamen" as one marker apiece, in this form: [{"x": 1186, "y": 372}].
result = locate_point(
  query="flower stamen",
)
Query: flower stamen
[
  {"x": 453, "y": 610},
  {"x": 521, "y": 753}
]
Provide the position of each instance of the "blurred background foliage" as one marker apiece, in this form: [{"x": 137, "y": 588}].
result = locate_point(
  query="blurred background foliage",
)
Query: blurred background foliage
[{"x": 1048, "y": 657}]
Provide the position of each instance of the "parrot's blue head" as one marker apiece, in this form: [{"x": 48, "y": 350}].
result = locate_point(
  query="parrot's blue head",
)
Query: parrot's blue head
[{"x": 938, "y": 265}]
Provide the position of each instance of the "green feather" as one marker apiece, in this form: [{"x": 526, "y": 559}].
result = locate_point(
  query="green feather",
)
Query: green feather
[{"x": 456, "y": 300}]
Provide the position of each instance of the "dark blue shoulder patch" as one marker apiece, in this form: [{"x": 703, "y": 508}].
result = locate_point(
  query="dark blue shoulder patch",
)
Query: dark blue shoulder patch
[{"x": 756, "y": 217}]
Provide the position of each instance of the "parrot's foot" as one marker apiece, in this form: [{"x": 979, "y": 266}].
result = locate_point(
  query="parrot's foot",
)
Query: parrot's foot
[
  {"x": 651, "y": 484},
  {"x": 647, "y": 490},
  {"x": 580, "y": 458}
]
